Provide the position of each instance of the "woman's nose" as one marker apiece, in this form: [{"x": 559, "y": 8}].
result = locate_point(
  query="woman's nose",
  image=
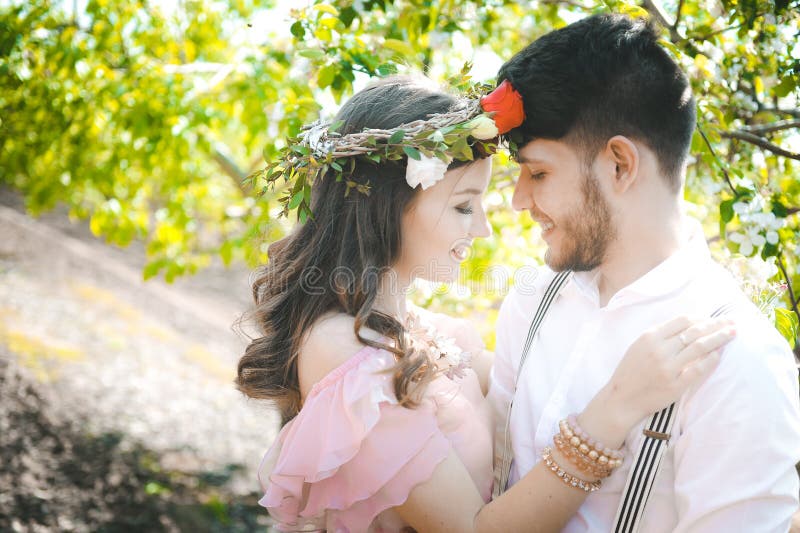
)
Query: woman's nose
[{"x": 483, "y": 227}]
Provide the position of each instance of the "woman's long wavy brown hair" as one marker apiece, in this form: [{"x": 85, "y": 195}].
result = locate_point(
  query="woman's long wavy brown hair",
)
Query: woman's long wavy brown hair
[{"x": 356, "y": 235}]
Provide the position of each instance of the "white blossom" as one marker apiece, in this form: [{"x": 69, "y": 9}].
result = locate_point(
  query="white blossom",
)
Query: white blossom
[
  {"x": 425, "y": 172},
  {"x": 482, "y": 128},
  {"x": 748, "y": 241},
  {"x": 772, "y": 237},
  {"x": 741, "y": 208}
]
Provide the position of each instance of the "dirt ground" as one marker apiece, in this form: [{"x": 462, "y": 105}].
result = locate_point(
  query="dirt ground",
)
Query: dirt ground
[{"x": 117, "y": 407}]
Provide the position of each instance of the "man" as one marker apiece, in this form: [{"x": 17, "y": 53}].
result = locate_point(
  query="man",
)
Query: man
[{"x": 602, "y": 155}]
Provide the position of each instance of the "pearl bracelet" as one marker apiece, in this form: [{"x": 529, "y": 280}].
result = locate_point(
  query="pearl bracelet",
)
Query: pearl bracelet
[
  {"x": 579, "y": 460},
  {"x": 569, "y": 479},
  {"x": 593, "y": 449}
]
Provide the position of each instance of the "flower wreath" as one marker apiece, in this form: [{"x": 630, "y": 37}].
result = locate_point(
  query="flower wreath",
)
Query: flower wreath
[{"x": 430, "y": 146}]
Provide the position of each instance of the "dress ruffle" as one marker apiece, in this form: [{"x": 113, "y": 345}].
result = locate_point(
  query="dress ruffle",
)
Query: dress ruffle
[{"x": 374, "y": 451}]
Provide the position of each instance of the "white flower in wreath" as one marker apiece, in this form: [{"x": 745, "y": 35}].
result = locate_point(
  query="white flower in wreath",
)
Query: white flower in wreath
[
  {"x": 482, "y": 128},
  {"x": 426, "y": 171}
]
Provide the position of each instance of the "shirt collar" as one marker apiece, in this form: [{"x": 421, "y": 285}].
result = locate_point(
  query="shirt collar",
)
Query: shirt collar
[{"x": 666, "y": 277}]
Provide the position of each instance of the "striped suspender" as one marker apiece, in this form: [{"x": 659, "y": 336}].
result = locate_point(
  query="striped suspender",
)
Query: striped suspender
[
  {"x": 642, "y": 476},
  {"x": 503, "y": 463}
]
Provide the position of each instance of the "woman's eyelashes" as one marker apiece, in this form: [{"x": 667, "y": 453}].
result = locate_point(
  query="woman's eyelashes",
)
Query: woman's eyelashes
[{"x": 464, "y": 209}]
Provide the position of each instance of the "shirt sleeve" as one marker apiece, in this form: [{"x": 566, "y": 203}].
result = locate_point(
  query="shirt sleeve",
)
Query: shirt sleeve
[{"x": 740, "y": 439}]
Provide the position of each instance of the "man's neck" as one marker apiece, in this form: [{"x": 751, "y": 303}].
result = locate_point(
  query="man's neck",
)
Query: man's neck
[{"x": 635, "y": 253}]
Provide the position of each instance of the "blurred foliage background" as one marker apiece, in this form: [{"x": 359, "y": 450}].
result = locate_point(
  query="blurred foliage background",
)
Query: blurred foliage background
[{"x": 145, "y": 116}]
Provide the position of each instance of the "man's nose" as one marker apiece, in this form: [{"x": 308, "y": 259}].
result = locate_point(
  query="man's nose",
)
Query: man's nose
[{"x": 522, "y": 197}]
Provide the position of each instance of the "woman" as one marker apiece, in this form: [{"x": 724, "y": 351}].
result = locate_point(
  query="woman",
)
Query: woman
[{"x": 386, "y": 427}]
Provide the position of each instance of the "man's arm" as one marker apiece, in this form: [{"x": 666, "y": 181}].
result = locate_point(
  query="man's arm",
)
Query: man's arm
[{"x": 740, "y": 439}]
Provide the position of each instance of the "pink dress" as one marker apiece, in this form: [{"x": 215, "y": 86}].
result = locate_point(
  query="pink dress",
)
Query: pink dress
[{"x": 353, "y": 453}]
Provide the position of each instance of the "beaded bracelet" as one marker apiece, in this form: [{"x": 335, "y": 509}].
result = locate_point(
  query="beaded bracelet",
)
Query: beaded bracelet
[
  {"x": 569, "y": 479},
  {"x": 593, "y": 449},
  {"x": 579, "y": 460}
]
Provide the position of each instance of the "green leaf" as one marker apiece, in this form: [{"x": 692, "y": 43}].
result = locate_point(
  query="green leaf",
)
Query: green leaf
[
  {"x": 402, "y": 48},
  {"x": 779, "y": 210},
  {"x": 785, "y": 87},
  {"x": 347, "y": 15},
  {"x": 300, "y": 149},
  {"x": 787, "y": 324},
  {"x": 726, "y": 211},
  {"x": 296, "y": 199},
  {"x": 326, "y": 75},
  {"x": 311, "y": 53},
  {"x": 413, "y": 153},
  {"x": 334, "y": 128},
  {"x": 326, "y": 8},
  {"x": 152, "y": 268},
  {"x": 437, "y": 136},
  {"x": 397, "y": 137},
  {"x": 298, "y": 30},
  {"x": 387, "y": 69},
  {"x": 226, "y": 252},
  {"x": 769, "y": 250}
]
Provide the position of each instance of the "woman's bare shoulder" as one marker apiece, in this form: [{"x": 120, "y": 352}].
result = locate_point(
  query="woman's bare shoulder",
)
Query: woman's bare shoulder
[{"x": 328, "y": 344}]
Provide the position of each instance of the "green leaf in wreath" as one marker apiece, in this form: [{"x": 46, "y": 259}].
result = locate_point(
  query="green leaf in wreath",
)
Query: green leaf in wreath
[
  {"x": 397, "y": 137},
  {"x": 412, "y": 153}
]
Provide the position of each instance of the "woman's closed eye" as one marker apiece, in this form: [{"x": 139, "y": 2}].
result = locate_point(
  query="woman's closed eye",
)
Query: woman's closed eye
[{"x": 464, "y": 209}]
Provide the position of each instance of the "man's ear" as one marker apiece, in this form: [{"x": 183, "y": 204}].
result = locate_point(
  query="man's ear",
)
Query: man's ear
[{"x": 623, "y": 154}]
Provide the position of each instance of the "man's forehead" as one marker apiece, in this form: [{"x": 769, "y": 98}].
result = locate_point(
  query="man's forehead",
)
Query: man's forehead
[{"x": 542, "y": 151}]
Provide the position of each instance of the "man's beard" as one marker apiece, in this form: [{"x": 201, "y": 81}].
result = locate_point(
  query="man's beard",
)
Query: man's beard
[{"x": 588, "y": 230}]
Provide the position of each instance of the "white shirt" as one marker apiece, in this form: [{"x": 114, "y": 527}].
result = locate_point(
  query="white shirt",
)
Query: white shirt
[{"x": 730, "y": 465}]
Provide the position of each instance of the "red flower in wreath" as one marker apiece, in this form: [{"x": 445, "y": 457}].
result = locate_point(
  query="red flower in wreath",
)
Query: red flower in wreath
[{"x": 506, "y": 104}]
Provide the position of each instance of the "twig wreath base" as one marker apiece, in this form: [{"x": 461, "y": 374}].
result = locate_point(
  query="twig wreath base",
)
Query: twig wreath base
[
  {"x": 319, "y": 150},
  {"x": 471, "y": 126}
]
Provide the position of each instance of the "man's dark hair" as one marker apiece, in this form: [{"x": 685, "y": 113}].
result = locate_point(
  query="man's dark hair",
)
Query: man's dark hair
[{"x": 602, "y": 76}]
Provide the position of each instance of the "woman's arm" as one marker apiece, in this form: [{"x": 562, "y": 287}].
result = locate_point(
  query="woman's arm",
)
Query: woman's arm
[
  {"x": 482, "y": 365},
  {"x": 656, "y": 370}
]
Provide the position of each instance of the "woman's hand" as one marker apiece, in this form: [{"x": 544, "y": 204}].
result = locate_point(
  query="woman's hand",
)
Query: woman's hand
[{"x": 656, "y": 370}]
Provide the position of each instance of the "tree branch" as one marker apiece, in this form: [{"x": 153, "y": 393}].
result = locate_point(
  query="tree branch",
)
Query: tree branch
[
  {"x": 230, "y": 168},
  {"x": 678, "y": 15},
  {"x": 772, "y": 127},
  {"x": 791, "y": 112},
  {"x": 722, "y": 30},
  {"x": 760, "y": 142},
  {"x": 658, "y": 13},
  {"x": 716, "y": 157},
  {"x": 573, "y": 3},
  {"x": 788, "y": 280}
]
